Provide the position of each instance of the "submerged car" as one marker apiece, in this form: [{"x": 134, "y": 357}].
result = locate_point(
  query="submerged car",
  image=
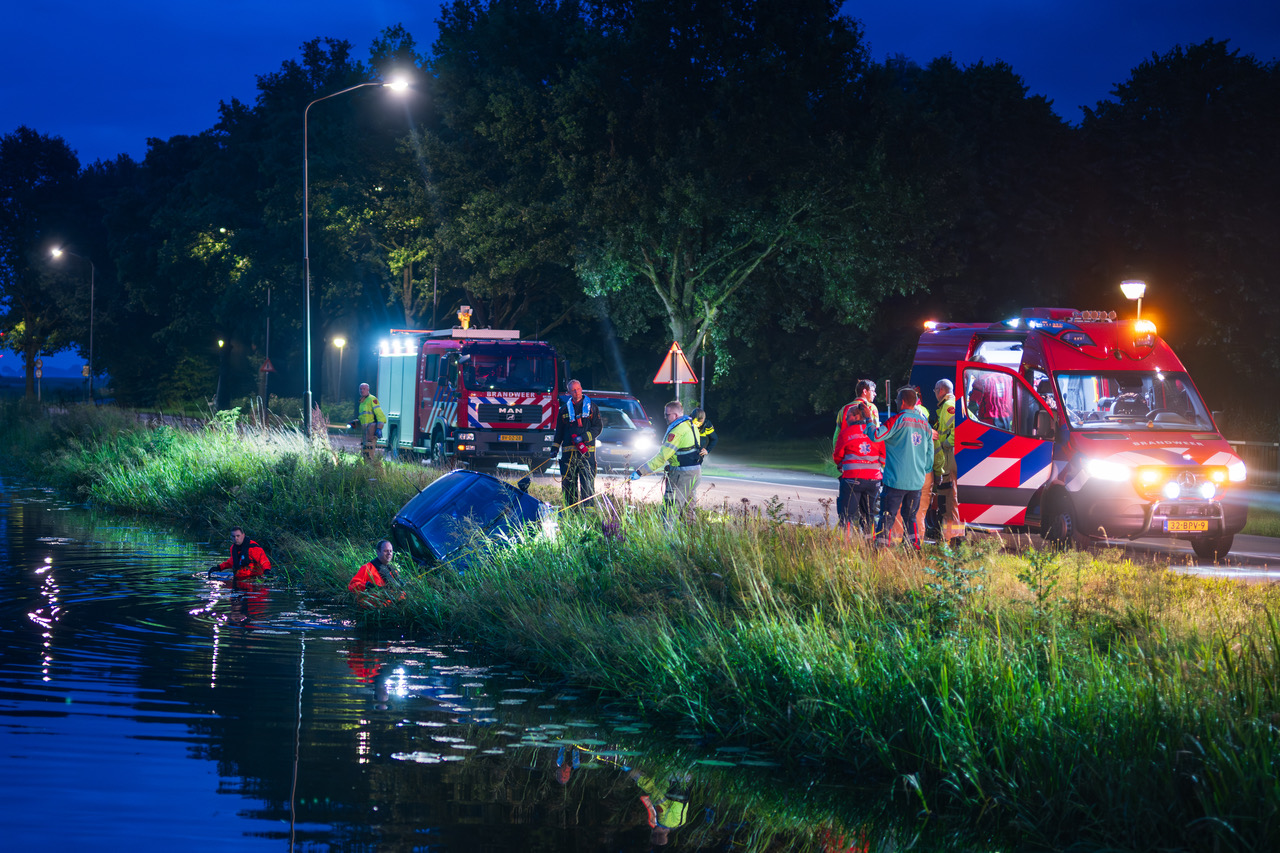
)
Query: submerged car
[{"x": 462, "y": 513}]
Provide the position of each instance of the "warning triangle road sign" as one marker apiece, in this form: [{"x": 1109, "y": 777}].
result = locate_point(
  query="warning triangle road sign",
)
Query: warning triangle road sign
[
  {"x": 675, "y": 369},
  {"x": 266, "y": 366}
]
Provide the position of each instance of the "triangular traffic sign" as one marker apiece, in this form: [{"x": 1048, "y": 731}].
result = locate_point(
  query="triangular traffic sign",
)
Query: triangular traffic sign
[
  {"x": 266, "y": 366},
  {"x": 675, "y": 369}
]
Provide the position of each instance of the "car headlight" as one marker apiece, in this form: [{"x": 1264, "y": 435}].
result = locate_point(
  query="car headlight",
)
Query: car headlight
[
  {"x": 644, "y": 441},
  {"x": 1236, "y": 472},
  {"x": 1103, "y": 469}
]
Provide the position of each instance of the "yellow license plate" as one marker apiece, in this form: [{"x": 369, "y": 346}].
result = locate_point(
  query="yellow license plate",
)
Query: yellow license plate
[
  {"x": 1186, "y": 526},
  {"x": 510, "y": 437}
]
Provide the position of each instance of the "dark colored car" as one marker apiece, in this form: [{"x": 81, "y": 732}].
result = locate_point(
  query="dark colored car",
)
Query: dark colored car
[
  {"x": 460, "y": 513},
  {"x": 628, "y": 438}
]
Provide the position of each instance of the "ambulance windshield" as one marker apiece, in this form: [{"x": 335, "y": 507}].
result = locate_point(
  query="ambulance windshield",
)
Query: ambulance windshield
[{"x": 1130, "y": 399}]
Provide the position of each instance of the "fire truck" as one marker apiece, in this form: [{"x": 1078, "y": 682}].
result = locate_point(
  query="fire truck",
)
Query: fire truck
[
  {"x": 479, "y": 396},
  {"x": 1082, "y": 427}
]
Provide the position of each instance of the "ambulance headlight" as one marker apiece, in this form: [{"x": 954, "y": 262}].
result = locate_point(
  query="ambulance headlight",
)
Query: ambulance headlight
[
  {"x": 1172, "y": 491},
  {"x": 1236, "y": 472},
  {"x": 1207, "y": 491},
  {"x": 1104, "y": 469}
]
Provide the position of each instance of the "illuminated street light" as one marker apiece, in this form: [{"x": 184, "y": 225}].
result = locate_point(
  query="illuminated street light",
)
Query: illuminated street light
[
  {"x": 341, "y": 344},
  {"x": 93, "y": 274},
  {"x": 1134, "y": 289},
  {"x": 398, "y": 85}
]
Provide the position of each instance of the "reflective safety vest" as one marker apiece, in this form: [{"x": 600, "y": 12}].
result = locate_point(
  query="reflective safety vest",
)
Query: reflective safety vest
[
  {"x": 370, "y": 412},
  {"x": 857, "y": 456},
  {"x": 680, "y": 449},
  {"x": 944, "y": 455}
]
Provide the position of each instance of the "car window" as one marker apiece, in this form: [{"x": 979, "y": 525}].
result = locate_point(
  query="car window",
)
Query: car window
[{"x": 615, "y": 418}]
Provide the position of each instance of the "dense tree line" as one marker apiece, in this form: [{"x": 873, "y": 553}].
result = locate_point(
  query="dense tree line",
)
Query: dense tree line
[{"x": 740, "y": 177}]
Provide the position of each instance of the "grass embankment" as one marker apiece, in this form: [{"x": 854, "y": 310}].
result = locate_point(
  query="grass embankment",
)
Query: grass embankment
[{"x": 1054, "y": 699}]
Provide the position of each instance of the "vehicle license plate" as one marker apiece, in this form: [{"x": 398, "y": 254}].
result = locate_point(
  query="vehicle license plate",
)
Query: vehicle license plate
[
  {"x": 518, "y": 437},
  {"x": 1186, "y": 526}
]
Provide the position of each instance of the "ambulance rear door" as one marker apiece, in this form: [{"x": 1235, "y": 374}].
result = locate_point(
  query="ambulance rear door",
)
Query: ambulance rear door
[{"x": 1004, "y": 444}]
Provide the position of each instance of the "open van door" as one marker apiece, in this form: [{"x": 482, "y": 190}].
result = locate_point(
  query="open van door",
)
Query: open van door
[{"x": 1004, "y": 444}]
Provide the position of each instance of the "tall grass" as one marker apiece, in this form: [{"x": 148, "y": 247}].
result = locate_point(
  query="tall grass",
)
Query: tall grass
[{"x": 1055, "y": 699}]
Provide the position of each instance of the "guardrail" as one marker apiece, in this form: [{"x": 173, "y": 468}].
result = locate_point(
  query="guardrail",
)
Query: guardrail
[{"x": 1262, "y": 459}]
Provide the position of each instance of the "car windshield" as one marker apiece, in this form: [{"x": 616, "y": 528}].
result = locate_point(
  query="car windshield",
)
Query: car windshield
[
  {"x": 514, "y": 371},
  {"x": 1131, "y": 399},
  {"x": 631, "y": 408},
  {"x": 615, "y": 418}
]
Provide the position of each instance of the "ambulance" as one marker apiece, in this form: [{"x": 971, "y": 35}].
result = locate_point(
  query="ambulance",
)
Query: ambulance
[
  {"x": 1081, "y": 427},
  {"x": 477, "y": 396}
]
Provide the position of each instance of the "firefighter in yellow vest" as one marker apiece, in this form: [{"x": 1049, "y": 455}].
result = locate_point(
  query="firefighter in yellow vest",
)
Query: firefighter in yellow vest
[
  {"x": 944, "y": 464},
  {"x": 370, "y": 419},
  {"x": 680, "y": 456}
]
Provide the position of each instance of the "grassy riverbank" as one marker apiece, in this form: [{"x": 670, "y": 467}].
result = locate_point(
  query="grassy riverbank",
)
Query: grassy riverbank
[{"x": 1055, "y": 699}]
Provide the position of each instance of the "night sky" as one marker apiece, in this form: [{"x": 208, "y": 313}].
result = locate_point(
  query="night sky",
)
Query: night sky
[{"x": 106, "y": 76}]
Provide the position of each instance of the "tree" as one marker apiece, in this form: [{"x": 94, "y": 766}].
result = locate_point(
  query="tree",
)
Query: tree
[{"x": 37, "y": 175}]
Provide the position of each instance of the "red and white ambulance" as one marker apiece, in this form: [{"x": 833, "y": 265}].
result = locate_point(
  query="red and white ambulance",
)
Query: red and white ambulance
[
  {"x": 480, "y": 396},
  {"x": 1082, "y": 427}
]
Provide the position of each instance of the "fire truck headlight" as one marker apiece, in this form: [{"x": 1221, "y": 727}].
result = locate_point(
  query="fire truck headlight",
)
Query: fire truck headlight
[
  {"x": 466, "y": 436},
  {"x": 1236, "y": 472},
  {"x": 1207, "y": 491},
  {"x": 1171, "y": 490},
  {"x": 1103, "y": 469}
]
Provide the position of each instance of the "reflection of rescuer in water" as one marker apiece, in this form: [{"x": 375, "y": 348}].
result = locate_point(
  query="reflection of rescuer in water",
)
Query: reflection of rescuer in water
[
  {"x": 577, "y": 428},
  {"x": 378, "y": 572},
  {"x": 247, "y": 559},
  {"x": 665, "y": 803}
]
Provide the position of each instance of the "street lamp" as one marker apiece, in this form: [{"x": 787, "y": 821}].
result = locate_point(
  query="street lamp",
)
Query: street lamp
[
  {"x": 399, "y": 85},
  {"x": 340, "y": 343},
  {"x": 1134, "y": 289},
  {"x": 93, "y": 274}
]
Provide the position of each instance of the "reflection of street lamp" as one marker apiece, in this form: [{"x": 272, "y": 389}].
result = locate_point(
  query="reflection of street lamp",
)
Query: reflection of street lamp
[
  {"x": 57, "y": 253},
  {"x": 1134, "y": 289},
  {"x": 340, "y": 343},
  {"x": 396, "y": 86}
]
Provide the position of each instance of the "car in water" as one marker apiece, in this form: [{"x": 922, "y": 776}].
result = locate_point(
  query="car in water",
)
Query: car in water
[
  {"x": 464, "y": 512},
  {"x": 628, "y": 438}
]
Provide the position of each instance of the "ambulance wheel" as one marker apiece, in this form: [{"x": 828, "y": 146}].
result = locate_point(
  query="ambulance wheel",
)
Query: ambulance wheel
[
  {"x": 1062, "y": 525},
  {"x": 1213, "y": 549}
]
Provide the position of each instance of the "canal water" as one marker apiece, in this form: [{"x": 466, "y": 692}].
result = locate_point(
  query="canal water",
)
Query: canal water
[{"x": 145, "y": 706}]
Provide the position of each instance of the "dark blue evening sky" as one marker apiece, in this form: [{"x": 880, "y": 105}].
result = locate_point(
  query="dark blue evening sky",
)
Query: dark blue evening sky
[{"x": 106, "y": 76}]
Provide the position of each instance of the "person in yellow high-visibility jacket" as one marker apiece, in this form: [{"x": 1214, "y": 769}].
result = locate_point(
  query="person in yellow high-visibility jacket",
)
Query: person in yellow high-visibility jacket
[
  {"x": 680, "y": 456},
  {"x": 370, "y": 419},
  {"x": 944, "y": 464}
]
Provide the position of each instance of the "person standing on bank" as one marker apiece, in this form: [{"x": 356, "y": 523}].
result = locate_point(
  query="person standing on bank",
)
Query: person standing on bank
[
  {"x": 908, "y": 444},
  {"x": 247, "y": 559},
  {"x": 370, "y": 419},
  {"x": 706, "y": 432},
  {"x": 861, "y": 464},
  {"x": 944, "y": 464},
  {"x": 680, "y": 456},
  {"x": 577, "y": 428},
  {"x": 864, "y": 394}
]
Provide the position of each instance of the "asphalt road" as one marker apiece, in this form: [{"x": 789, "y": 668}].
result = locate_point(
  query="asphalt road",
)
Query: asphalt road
[{"x": 735, "y": 484}]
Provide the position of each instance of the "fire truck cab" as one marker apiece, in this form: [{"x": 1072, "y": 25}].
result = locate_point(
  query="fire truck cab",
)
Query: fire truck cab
[
  {"x": 1081, "y": 427},
  {"x": 480, "y": 396}
]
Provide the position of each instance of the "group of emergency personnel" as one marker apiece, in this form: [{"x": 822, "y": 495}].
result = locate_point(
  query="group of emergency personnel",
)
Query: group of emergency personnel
[{"x": 892, "y": 473}]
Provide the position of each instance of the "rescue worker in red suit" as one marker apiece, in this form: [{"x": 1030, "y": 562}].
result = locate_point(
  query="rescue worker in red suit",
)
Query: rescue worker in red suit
[
  {"x": 861, "y": 464},
  {"x": 378, "y": 572},
  {"x": 247, "y": 559}
]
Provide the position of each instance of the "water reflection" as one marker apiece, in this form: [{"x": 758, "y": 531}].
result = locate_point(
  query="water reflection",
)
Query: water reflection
[{"x": 143, "y": 704}]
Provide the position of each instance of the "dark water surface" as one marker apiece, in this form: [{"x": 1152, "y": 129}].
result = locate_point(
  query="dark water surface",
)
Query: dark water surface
[{"x": 143, "y": 706}]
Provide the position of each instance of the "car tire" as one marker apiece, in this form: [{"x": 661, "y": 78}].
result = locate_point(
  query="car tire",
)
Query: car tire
[
  {"x": 1061, "y": 525},
  {"x": 1212, "y": 549}
]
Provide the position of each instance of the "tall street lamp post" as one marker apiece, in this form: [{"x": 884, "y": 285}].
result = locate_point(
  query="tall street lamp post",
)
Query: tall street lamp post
[
  {"x": 395, "y": 86},
  {"x": 341, "y": 344},
  {"x": 93, "y": 273}
]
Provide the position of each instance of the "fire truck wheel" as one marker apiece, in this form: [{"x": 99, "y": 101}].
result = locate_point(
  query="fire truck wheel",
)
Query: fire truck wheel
[
  {"x": 1063, "y": 528},
  {"x": 437, "y": 448},
  {"x": 393, "y": 443},
  {"x": 1213, "y": 549}
]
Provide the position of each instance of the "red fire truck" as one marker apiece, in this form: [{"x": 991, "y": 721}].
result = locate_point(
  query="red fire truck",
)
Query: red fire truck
[
  {"x": 481, "y": 396},
  {"x": 1081, "y": 427}
]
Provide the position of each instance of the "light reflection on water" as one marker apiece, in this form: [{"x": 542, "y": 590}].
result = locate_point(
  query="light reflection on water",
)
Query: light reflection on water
[{"x": 143, "y": 704}]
